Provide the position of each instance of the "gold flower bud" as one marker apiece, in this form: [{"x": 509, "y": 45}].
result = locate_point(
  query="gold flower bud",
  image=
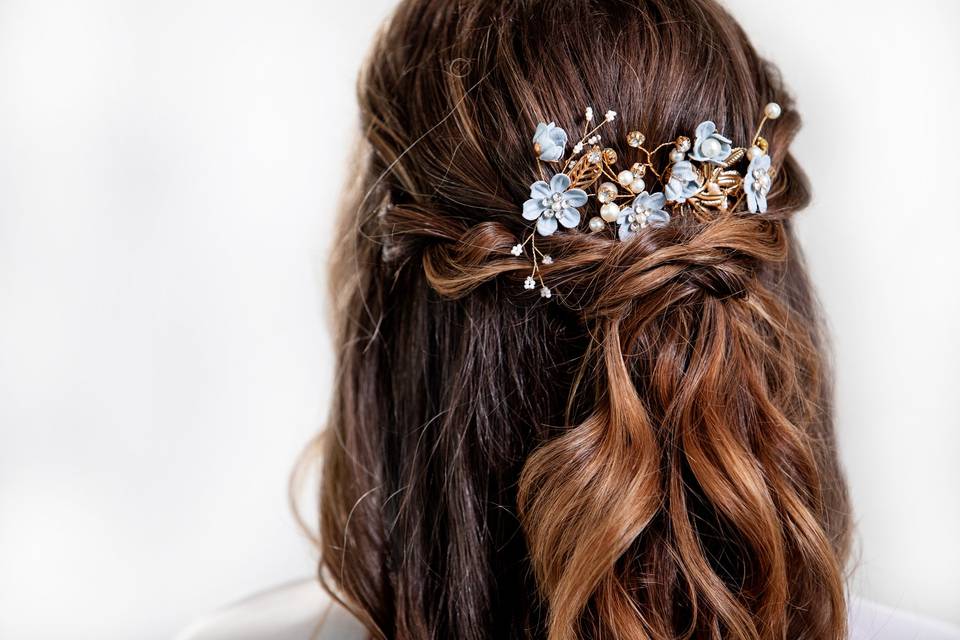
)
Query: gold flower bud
[
  {"x": 638, "y": 169},
  {"x": 609, "y": 156},
  {"x": 683, "y": 144},
  {"x": 762, "y": 143},
  {"x": 635, "y": 139}
]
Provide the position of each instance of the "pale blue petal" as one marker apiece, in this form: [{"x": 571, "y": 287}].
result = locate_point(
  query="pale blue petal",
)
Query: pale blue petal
[
  {"x": 622, "y": 216},
  {"x": 763, "y": 162},
  {"x": 751, "y": 200},
  {"x": 559, "y": 137},
  {"x": 683, "y": 171},
  {"x": 705, "y": 129},
  {"x": 723, "y": 139},
  {"x": 559, "y": 183},
  {"x": 576, "y": 197},
  {"x": 552, "y": 141},
  {"x": 541, "y": 128},
  {"x": 569, "y": 217},
  {"x": 671, "y": 193},
  {"x": 540, "y": 190},
  {"x": 551, "y": 153},
  {"x": 762, "y": 202},
  {"x": 658, "y": 218},
  {"x": 532, "y": 209},
  {"x": 624, "y": 232},
  {"x": 546, "y": 226},
  {"x": 657, "y": 201},
  {"x": 645, "y": 201}
]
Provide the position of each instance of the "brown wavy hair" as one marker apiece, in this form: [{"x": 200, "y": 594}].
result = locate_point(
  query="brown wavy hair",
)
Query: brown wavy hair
[{"x": 649, "y": 454}]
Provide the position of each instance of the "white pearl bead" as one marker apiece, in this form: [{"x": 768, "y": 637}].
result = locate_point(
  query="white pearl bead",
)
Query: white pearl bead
[
  {"x": 710, "y": 147},
  {"x": 754, "y": 152},
  {"x": 772, "y": 110},
  {"x": 609, "y": 212},
  {"x": 637, "y": 185},
  {"x": 625, "y": 177},
  {"x": 676, "y": 155},
  {"x": 596, "y": 224}
]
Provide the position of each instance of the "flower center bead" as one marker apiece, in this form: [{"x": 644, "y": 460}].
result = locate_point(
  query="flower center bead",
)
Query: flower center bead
[
  {"x": 711, "y": 147},
  {"x": 761, "y": 180}
]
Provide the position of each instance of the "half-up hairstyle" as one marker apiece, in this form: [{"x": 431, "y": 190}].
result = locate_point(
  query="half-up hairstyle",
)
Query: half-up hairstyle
[{"x": 647, "y": 454}]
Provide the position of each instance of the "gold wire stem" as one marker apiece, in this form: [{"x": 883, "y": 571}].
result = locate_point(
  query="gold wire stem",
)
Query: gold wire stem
[
  {"x": 582, "y": 140},
  {"x": 658, "y": 147},
  {"x": 756, "y": 136},
  {"x": 543, "y": 176},
  {"x": 606, "y": 171},
  {"x": 534, "y": 251}
]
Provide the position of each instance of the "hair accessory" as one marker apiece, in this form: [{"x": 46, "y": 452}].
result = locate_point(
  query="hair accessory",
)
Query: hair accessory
[{"x": 699, "y": 178}]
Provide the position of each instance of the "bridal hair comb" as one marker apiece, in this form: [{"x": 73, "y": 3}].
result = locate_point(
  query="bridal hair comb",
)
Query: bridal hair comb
[{"x": 700, "y": 178}]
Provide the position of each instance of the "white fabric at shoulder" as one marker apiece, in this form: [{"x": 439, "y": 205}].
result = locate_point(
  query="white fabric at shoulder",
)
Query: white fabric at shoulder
[
  {"x": 303, "y": 611},
  {"x": 871, "y": 621},
  {"x": 298, "y": 611}
]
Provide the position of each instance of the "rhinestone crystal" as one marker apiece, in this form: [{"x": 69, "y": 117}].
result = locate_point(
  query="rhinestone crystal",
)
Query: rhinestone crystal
[{"x": 606, "y": 192}]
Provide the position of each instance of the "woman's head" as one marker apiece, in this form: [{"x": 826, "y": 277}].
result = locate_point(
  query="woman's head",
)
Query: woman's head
[{"x": 649, "y": 453}]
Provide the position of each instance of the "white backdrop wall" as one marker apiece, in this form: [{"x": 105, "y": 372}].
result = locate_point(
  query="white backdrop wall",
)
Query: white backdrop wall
[{"x": 167, "y": 177}]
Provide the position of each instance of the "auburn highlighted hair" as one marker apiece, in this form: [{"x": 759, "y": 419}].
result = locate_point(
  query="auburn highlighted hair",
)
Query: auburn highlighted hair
[{"x": 649, "y": 454}]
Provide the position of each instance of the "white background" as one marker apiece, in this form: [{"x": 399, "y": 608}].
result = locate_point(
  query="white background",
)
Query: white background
[{"x": 168, "y": 174}]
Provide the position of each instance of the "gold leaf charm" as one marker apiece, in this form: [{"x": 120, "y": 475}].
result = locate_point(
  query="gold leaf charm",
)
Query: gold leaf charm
[{"x": 584, "y": 173}]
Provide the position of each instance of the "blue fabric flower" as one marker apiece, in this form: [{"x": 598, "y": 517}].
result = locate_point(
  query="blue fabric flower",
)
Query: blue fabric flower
[
  {"x": 756, "y": 183},
  {"x": 710, "y": 146},
  {"x": 549, "y": 142},
  {"x": 683, "y": 182},
  {"x": 647, "y": 209},
  {"x": 553, "y": 203}
]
